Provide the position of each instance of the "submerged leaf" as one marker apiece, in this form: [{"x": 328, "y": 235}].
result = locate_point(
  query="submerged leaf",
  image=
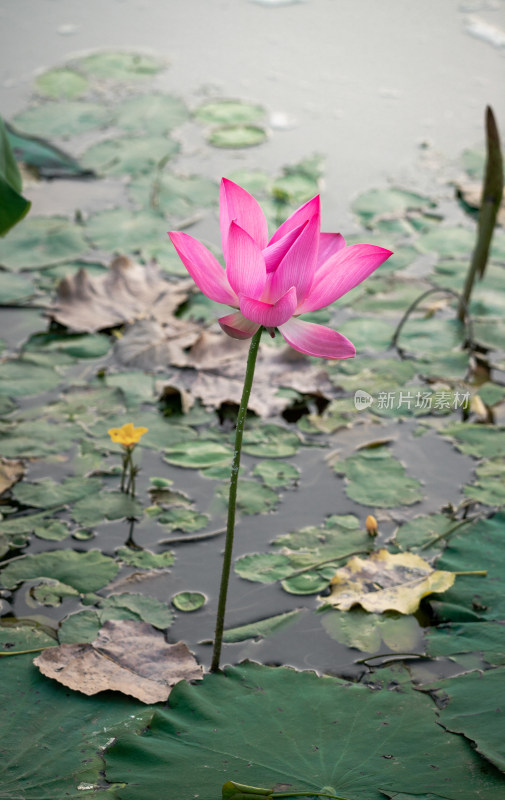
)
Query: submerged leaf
[{"x": 386, "y": 582}]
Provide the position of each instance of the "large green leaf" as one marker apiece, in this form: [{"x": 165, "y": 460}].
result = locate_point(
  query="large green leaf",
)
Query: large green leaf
[
  {"x": 458, "y": 638},
  {"x": 474, "y": 597},
  {"x": 376, "y": 478},
  {"x": 13, "y": 206},
  {"x": 270, "y": 727},
  {"x": 122, "y": 231},
  {"x": 42, "y": 241},
  {"x": 153, "y": 113},
  {"x": 63, "y": 754},
  {"x": 477, "y": 440},
  {"x": 62, "y": 119},
  {"x": 472, "y": 706},
  {"x": 129, "y": 155},
  {"x": 121, "y": 66},
  {"x": 86, "y": 572},
  {"x": 47, "y": 493},
  {"x": 61, "y": 83}
]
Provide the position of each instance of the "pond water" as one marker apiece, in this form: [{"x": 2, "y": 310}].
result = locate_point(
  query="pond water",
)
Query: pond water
[{"x": 389, "y": 94}]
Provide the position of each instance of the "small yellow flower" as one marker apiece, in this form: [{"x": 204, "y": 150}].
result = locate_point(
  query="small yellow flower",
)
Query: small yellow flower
[{"x": 128, "y": 435}]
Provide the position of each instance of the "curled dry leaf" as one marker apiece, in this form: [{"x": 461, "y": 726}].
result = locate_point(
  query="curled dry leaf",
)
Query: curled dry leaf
[
  {"x": 127, "y": 656},
  {"x": 386, "y": 582},
  {"x": 216, "y": 374},
  {"x": 11, "y": 471},
  {"x": 128, "y": 291}
]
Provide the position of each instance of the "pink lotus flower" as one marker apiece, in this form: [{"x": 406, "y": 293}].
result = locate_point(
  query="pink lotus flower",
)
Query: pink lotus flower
[{"x": 272, "y": 282}]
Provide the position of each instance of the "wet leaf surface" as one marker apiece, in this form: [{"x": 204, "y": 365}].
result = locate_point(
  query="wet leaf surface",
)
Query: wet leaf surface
[{"x": 229, "y": 712}]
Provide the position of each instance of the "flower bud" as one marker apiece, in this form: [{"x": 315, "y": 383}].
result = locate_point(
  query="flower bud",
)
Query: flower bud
[{"x": 371, "y": 525}]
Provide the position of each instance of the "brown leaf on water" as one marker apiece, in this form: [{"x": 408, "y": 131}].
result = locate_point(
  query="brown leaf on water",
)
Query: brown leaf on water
[
  {"x": 11, "y": 471},
  {"x": 127, "y": 656},
  {"x": 386, "y": 582},
  {"x": 128, "y": 291}
]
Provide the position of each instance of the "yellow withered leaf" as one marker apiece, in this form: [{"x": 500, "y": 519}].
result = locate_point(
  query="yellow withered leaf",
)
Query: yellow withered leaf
[{"x": 386, "y": 582}]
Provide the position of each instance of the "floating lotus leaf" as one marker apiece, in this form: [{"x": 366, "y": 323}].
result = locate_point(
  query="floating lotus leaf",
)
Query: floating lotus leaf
[
  {"x": 15, "y": 637},
  {"x": 457, "y": 638},
  {"x": 380, "y": 202},
  {"x": 40, "y": 242},
  {"x": 47, "y": 493},
  {"x": 277, "y": 473},
  {"x": 183, "y": 519},
  {"x": 145, "y": 559},
  {"x": 153, "y": 113},
  {"x": 474, "y": 597},
  {"x": 75, "y": 729},
  {"x": 446, "y": 241},
  {"x": 86, "y": 572},
  {"x": 237, "y": 136},
  {"x": 189, "y": 601},
  {"x": 34, "y": 439},
  {"x": 129, "y": 155},
  {"x": 119, "y": 230},
  {"x": 229, "y": 112},
  {"x": 54, "y": 120},
  {"x": 471, "y": 706},
  {"x": 120, "y": 66},
  {"x": 482, "y": 441},
  {"x": 366, "y": 632},
  {"x": 93, "y": 509},
  {"x": 489, "y": 486},
  {"x": 350, "y": 738},
  {"x": 198, "y": 454},
  {"x": 376, "y": 478},
  {"x": 252, "y": 497},
  {"x": 270, "y": 441},
  {"x": 61, "y": 83},
  {"x": 15, "y": 289},
  {"x": 386, "y": 582},
  {"x": 262, "y": 628},
  {"x": 179, "y": 197}
]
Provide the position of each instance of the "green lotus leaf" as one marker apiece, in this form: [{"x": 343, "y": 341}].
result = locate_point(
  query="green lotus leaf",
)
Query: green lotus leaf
[
  {"x": 189, "y": 601},
  {"x": 376, "y": 478},
  {"x": 145, "y": 559},
  {"x": 85, "y": 572},
  {"x": 70, "y": 118},
  {"x": 61, "y": 83},
  {"x": 153, "y": 113},
  {"x": 119, "y": 66},
  {"x": 129, "y": 155},
  {"x": 249, "y": 713},
  {"x": 236, "y": 136},
  {"x": 40, "y": 242},
  {"x": 229, "y": 112}
]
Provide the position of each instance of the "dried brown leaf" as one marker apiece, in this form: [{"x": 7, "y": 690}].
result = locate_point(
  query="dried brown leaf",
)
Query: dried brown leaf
[
  {"x": 386, "y": 582},
  {"x": 127, "y": 656},
  {"x": 128, "y": 291},
  {"x": 11, "y": 471}
]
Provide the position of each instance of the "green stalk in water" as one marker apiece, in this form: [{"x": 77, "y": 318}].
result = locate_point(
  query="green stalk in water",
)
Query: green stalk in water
[{"x": 492, "y": 194}]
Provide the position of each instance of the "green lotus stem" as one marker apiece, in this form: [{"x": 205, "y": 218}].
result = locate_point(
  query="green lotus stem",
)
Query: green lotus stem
[
  {"x": 23, "y": 652},
  {"x": 240, "y": 791},
  {"x": 492, "y": 194},
  {"x": 450, "y": 531},
  {"x": 323, "y": 563},
  {"x": 232, "y": 500},
  {"x": 482, "y": 572}
]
